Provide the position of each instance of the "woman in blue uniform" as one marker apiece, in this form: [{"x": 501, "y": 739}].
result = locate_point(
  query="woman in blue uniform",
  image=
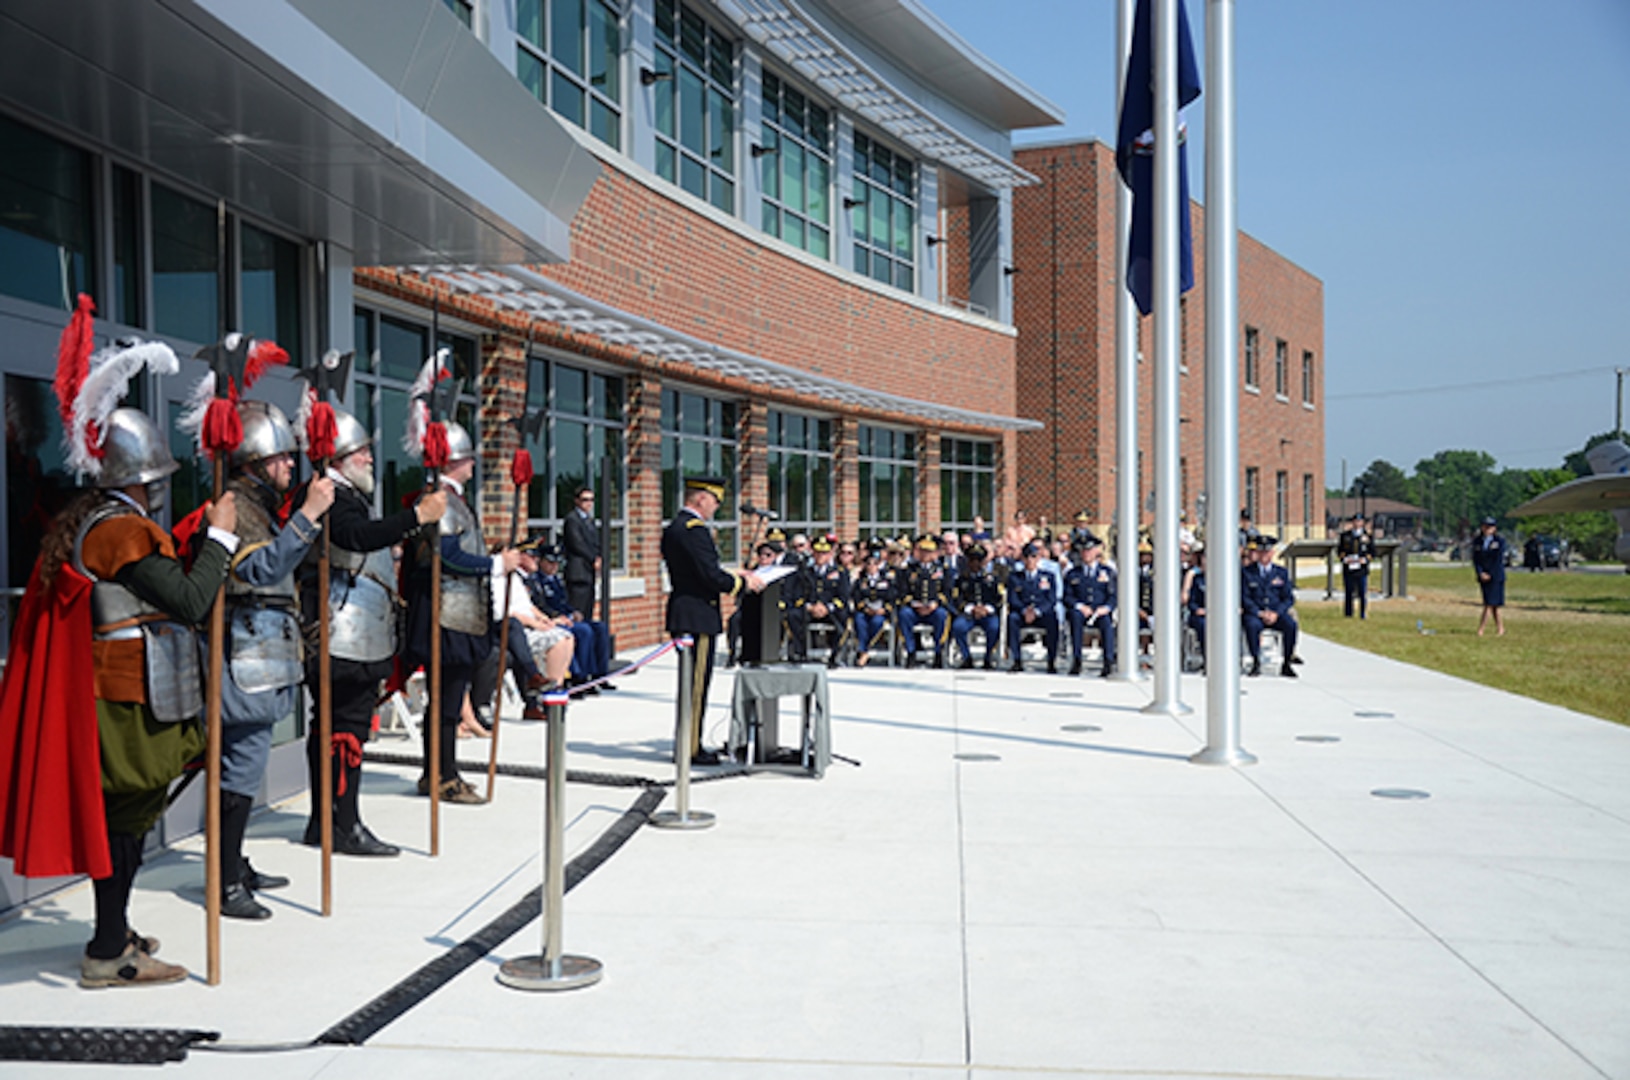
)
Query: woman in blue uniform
[{"x": 1488, "y": 559}]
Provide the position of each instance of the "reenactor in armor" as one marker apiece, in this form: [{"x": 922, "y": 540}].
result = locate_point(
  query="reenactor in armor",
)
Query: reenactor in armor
[
  {"x": 263, "y": 663},
  {"x": 924, "y": 598},
  {"x": 466, "y": 611},
  {"x": 145, "y": 664},
  {"x": 364, "y": 627},
  {"x": 828, "y": 598},
  {"x": 977, "y": 597},
  {"x": 1089, "y": 601},
  {"x": 873, "y": 598}
]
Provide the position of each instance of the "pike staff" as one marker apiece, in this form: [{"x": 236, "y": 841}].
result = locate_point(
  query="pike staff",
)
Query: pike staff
[{"x": 527, "y": 422}]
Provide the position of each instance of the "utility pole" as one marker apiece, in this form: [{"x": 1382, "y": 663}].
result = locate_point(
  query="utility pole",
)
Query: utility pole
[{"x": 1618, "y": 403}]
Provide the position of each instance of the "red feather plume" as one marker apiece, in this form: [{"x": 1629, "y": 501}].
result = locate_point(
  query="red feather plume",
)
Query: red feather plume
[
  {"x": 222, "y": 432},
  {"x": 74, "y": 357},
  {"x": 262, "y": 355},
  {"x": 520, "y": 470},
  {"x": 321, "y": 431}
]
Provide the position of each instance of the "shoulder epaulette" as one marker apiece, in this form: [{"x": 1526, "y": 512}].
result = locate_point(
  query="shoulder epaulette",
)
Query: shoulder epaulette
[{"x": 691, "y": 523}]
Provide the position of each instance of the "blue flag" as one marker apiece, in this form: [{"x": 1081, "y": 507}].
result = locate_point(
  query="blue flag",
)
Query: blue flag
[{"x": 1134, "y": 153}]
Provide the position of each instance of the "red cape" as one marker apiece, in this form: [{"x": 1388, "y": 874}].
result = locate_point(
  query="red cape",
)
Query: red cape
[{"x": 51, "y": 817}]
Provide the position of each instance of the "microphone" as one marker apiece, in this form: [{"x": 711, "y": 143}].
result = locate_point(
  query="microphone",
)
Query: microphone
[{"x": 753, "y": 511}]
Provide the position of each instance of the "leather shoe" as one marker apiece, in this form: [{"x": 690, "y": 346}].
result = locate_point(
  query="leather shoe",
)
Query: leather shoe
[
  {"x": 1288, "y": 672},
  {"x": 536, "y": 683},
  {"x": 1018, "y": 666},
  {"x": 1255, "y": 668},
  {"x": 360, "y": 841},
  {"x": 706, "y": 757},
  {"x": 238, "y": 902},
  {"x": 1052, "y": 668},
  {"x": 608, "y": 686},
  {"x": 1075, "y": 666},
  {"x": 255, "y": 881},
  {"x": 939, "y": 662},
  {"x": 967, "y": 664}
]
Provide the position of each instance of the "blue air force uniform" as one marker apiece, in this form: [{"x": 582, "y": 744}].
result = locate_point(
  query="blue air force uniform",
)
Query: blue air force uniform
[
  {"x": 1032, "y": 590},
  {"x": 1091, "y": 586},
  {"x": 1267, "y": 588},
  {"x": 591, "y": 648}
]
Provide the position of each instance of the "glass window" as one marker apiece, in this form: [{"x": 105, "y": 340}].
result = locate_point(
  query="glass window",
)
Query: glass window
[
  {"x": 583, "y": 427},
  {"x": 270, "y": 286},
  {"x": 1281, "y": 498},
  {"x": 1281, "y": 376},
  {"x": 796, "y": 167},
  {"x": 888, "y": 481},
  {"x": 1250, "y": 357},
  {"x": 884, "y": 214},
  {"x": 128, "y": 270},
  {"x": 800, "y": 468},
  {"x": 1307, "y": 504},
  {"x": 1307, "y": 378},
  {"x": 967, "y": 482},
  {"x": 1253, "y": 484},
  {"x": 699, "y": 439},
  {"x": 186, "y": 267},
  {"x": 568, "y": 53},
  {"x": 695, "y": 106},
  {"x": 463, "y": 10},
  {"x": 47, "y": 233}
]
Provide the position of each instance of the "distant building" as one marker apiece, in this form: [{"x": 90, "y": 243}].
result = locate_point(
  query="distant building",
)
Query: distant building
[
  {"x": 1064, "y": 307},
  {"x": 1388, "y": 517}
]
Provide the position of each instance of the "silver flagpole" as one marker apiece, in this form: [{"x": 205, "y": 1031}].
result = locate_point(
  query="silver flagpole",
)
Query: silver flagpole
[
  {"x": 1168, "y": 583},
  {"x": 1222, "y": 398},
  {"x": 1126, "y": 393}
]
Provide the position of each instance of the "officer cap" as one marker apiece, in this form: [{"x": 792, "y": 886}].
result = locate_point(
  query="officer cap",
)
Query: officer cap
[
  {"x": 1032, "y": 548},
  {"x": 713, "y": 485},
  {"x": 1490, "y": 521},
  {"x": 821, "y": 543},
  {"x": 531, "y": 544},
  {"x": 1082, "y": 518},
  {"x": 928, "y": 542},
  {"x": 775, "y": 536},
  {"x": 549, "y": 552},
  {"x": 1146, "y": 548},
  {"x": 977, "y": 551},
  {"x": 1265, "y": 542}
]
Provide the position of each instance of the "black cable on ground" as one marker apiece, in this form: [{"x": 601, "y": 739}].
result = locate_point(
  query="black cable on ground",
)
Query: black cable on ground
[
  {"x": 113, "y": 1046},
  {"x": 369, "y": 1020},
  {"x": 538, "y": 772}
]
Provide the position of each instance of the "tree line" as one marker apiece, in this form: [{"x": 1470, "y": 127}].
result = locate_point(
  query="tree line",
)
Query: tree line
[{"x": 1458, "y": 488}]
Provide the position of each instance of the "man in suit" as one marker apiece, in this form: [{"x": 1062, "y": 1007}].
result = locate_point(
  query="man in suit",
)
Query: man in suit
[
  {"x": 582, "y": 553},
  {"x": 1266, "y": 600},
  {"x": 697, "y": 579}
]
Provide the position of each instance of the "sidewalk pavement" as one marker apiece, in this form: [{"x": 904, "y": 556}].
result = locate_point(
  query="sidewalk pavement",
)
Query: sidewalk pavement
[{"x": 1071, "y": 901}]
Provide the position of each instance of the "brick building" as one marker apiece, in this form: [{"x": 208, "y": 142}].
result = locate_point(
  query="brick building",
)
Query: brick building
[
  {"x": 1064, "y": 307},
  {"x": 768, "y": 241}
]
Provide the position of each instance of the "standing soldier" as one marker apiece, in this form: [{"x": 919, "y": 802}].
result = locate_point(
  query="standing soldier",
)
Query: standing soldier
[
  {"x": 977, "y": 598},
  {"x": 364, "y": 634},
  {"x": 693, "y": 604},
  {"x": 1488, "y": 559},
  {"x": 466, "y": 612},
  {"x": 828, "y": 599},
  {"x": 923, "y": 600},
  {"x": 263, "y": 662},
  {"x": 1356, "y": 548}
]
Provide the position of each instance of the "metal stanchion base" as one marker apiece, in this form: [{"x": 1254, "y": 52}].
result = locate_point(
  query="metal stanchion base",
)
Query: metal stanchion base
[
  {"x": 673, "y": 819},
  {"x": 1223, "y": 755},
  {"x": 1175, "y": 708},
  {"x": 1128, "y": 676},
  {"x": 536, "y": 973}
]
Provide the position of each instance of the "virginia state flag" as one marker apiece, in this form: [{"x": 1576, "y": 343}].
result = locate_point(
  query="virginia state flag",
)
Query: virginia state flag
[{"x": 1135, "y": 148}]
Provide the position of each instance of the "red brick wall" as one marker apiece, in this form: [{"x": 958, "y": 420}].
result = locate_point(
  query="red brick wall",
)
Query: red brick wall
[
  {"x": 654, "y": 257},
  {"x": 1071, "y": 465}
]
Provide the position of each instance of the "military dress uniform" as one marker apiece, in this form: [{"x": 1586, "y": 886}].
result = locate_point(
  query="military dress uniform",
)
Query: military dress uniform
[
  {"x": 1268, "y": 588},
  {"x": 873, "y": 599},
  {"x": 925, "y": 585},
  {"x": 828, "y": 584},
  {"x": 591, "y": 653},
  {"x": 795, "y": 590},
  {"x": 1091, "y": 585},
  {"x": 696, "y": 580},
  {"x": 1355, "y": 548},
  {"x": 1032, "y": 590},
  {"x": 977, "y": 587},
  {"x": 1194, "y": 604}
]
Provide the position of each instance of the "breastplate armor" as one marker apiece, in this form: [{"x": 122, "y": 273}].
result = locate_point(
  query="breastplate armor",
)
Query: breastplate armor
[
  {"x": 174, "y": 685},
  {"x": 362, "y": 605},
  {"x": 466, "y": 602},
  {"x": 255, "y": 529}
]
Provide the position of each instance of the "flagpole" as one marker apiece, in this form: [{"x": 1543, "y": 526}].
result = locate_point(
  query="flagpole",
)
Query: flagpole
[
  {"x": 1126, "y": 392},
  {"x": 1167, "y": 231},
  {"x": 1222, "y": 396}
]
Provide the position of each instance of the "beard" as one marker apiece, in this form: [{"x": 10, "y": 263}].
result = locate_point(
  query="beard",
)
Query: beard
[
  {"x": 357, "y": 474},
  {"x": 157, "y": 492}
]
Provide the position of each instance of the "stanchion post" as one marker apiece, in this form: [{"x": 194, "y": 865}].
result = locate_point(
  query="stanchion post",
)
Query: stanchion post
[
  {"x": 553, "y": 970},
  {"x": 684, "y": 817}
]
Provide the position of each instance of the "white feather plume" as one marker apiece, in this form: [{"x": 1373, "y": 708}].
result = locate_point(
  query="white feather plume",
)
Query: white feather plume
[
  {"x": 302, "y": 418},
  {"x": 418, "y": 420},
  {"x": 191, "y": 421},
  {"x": 111, "y": 370}
]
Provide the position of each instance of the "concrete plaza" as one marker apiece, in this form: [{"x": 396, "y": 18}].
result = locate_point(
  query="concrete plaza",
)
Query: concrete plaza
[{"x": 1075, "y": 900}]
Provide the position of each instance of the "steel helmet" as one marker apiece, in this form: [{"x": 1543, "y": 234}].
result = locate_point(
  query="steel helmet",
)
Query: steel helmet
[
  {"x": 350, "y": 436},
  {"x": 266, "y": 433},
  {"x": 134, "y": 451},
  {"x": 459, "y": 446}
]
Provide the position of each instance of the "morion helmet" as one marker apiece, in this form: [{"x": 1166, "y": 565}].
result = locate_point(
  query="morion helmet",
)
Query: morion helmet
[
  {"x": 134, "y": 451},
  {"x": 266, "y": 433}
]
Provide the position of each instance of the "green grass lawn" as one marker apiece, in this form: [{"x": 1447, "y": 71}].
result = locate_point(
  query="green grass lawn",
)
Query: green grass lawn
[{"x": 1567, "y": 634}]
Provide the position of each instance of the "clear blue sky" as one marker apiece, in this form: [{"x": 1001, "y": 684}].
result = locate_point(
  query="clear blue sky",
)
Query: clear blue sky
[{"x": 1456, "y": 173}]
